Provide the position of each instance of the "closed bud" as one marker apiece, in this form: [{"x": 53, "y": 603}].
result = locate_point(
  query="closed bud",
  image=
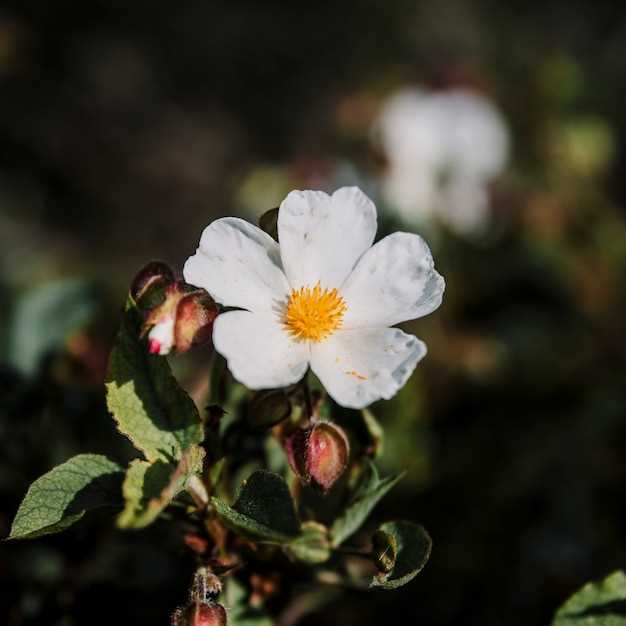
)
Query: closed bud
[
  {"x": 200, "y": 614},
  {"x": 181, "y": 320},
  {"x": 194, "y": 320},
  {"x": 318, "y": 454},
  {"x": 150, "y": 282}
]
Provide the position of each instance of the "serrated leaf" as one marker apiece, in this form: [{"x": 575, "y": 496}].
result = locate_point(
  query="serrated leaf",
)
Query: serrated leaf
[
  {"x": 368, "y": 494},
  {"x": 44, "y": 317},
  {"x": 312, "y": 545},
  {"x": 150, "y": 487},
  {"x": 596, "y": 604},
  {"x": 264, "y": 509},
  {"x": 61, "y": 497},
  {"x": 401, "y": 550},
  {"x": 147, "y": 402}
]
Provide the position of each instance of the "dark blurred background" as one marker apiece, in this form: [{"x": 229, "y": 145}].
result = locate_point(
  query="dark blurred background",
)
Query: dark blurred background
[{"x": 126, "y": 127}]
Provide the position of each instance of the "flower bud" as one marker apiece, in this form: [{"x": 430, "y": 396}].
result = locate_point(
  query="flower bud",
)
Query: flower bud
[
  {"x": 148, "y": 285},
  {"x": 194, "y": 320},
  {"x": 318, "y": 454},
  {"x": 200, "y": 614},
  {"x": 184, "y": 318}
]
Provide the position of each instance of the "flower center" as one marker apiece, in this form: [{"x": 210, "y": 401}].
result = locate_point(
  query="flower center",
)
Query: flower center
[{"x": 314, "y": 313}]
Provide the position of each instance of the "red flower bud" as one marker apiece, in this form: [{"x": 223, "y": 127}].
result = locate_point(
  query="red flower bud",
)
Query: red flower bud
[
  {"x": 318, "y": 454},
  {"x": 149, "y": 283},
  {"x": 194, "y": 320},
  {"x": 200, "y": 614}
]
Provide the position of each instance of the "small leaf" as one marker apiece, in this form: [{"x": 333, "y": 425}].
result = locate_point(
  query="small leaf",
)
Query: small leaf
[
  {"x": 312, "y": 546},
  {"x": 150, "y": 487},
  {"x": 401, "y": 550},
  {"x": 596, "y": 604},
  {"x": 44, "y": 317},
  {"x": 375, "y": 432},
  {"x": 61, "y": 497},
  {"x": 147, "y": 402},
  {"x": 263, "y": 510},
  {"x": 240, "y": 613},
  {"x": 268, "y": 222},
  {"x": 370, "y": 491}
]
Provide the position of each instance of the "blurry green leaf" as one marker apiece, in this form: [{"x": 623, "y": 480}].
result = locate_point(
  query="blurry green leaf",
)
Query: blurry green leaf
[
  {"x": 312, "y": 546},
  {"x": 150, "y": 487},
  {"x": 44, "y": 317},
  {"x": 401, "y": 550},
  {"x": 147, "y": 402},
  {"x": 263, "y": 510},
  {"x": 367, "y": 495},
  {"x": 62, "y": 496},
  {"x": 268, "y": 222},
  {"x": 596, "y": 604},
  {"x": 375, "y": 431},
  {"x": 240, "y": 613}
]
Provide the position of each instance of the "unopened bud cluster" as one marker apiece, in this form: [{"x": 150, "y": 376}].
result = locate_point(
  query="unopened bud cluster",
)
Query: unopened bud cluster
[
  {"x": 176, "y": 315},
  {"x": 318, "y": 454}
]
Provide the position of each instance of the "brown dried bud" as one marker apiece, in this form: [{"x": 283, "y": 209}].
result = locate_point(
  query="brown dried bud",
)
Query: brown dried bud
[{"x": 318, "y": 454}]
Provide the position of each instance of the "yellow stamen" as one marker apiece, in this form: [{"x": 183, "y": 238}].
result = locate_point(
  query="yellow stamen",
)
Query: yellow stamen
[{"x": 314, "y": 313}]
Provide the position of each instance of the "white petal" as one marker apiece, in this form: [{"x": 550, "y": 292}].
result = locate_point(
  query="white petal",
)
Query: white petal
[
  {"x": 239, "y": 265},
  {"x": 358, "y": 367},
  {"x": 322, "y": 237},
  {"x": 394, "y": 281},
  {"x": 260, "y": 353},
  {"x": 161, "y": 336}
]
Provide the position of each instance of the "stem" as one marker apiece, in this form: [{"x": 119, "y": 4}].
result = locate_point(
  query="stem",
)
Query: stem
[{"x": 197, "y": 490}]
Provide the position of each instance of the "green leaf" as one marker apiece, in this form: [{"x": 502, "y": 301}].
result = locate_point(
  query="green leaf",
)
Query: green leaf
[
  {"x": 240, "y": 613},
  {"x": 370, "y": 491},
  {"x": 596, "y": 604},
  {"x": 150, "y": 487},
  {"x": 263, "y": 510},
  {"x": 44, "y": 317},
  {"x": 375, "y": 432},
  {"x": 312, "y": 546},
  {"x": 147, "y": 402},
  {"x": 62, "y": 496},
  {"x": 401, "y": 550}
]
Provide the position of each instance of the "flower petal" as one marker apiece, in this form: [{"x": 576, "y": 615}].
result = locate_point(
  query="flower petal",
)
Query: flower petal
[
  {"x": 239, "y": 265},
  {"x": 394, "y": 281},
  {"x": 260, "y": 353},
  {"x": 358, "y": 367},
  {"x": 322, "y": 237}
]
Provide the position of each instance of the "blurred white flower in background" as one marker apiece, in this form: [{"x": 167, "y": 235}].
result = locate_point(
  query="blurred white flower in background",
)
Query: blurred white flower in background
[{"x": 442, "y": 149}]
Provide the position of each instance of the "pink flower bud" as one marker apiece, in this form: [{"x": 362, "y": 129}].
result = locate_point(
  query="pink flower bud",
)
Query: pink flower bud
[
  {"x": 318, "y": 454},
  {"x": 194, "y": 320},
  {"x": 182, "y": 319},
  {"x": 200, "y": 614}
]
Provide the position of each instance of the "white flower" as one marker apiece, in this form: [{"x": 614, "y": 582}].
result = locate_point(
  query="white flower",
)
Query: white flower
[
  {"x": 325, "y": 297},
  {"x": 442, "y": 148}
]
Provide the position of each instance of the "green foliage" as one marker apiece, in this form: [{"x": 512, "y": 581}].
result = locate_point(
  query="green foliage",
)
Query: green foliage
[
  {"x": 62, "y": 496},
  {"x": 264, "y": 509},
  {"x": 402, "y": 550},
  {"x": 312, "y": 546},
  {"x": 596, "y": 604},
  {"x": 150, "y": 487},
  {"x": 147, "y": 402},
  {"x": 240, "y": 613},
  {"x": 370, "y": 491},
  {"x": 43, "y": 318}
]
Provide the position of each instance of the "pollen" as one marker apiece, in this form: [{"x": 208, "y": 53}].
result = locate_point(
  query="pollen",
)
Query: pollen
[{"x": 313, "y": 313}]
